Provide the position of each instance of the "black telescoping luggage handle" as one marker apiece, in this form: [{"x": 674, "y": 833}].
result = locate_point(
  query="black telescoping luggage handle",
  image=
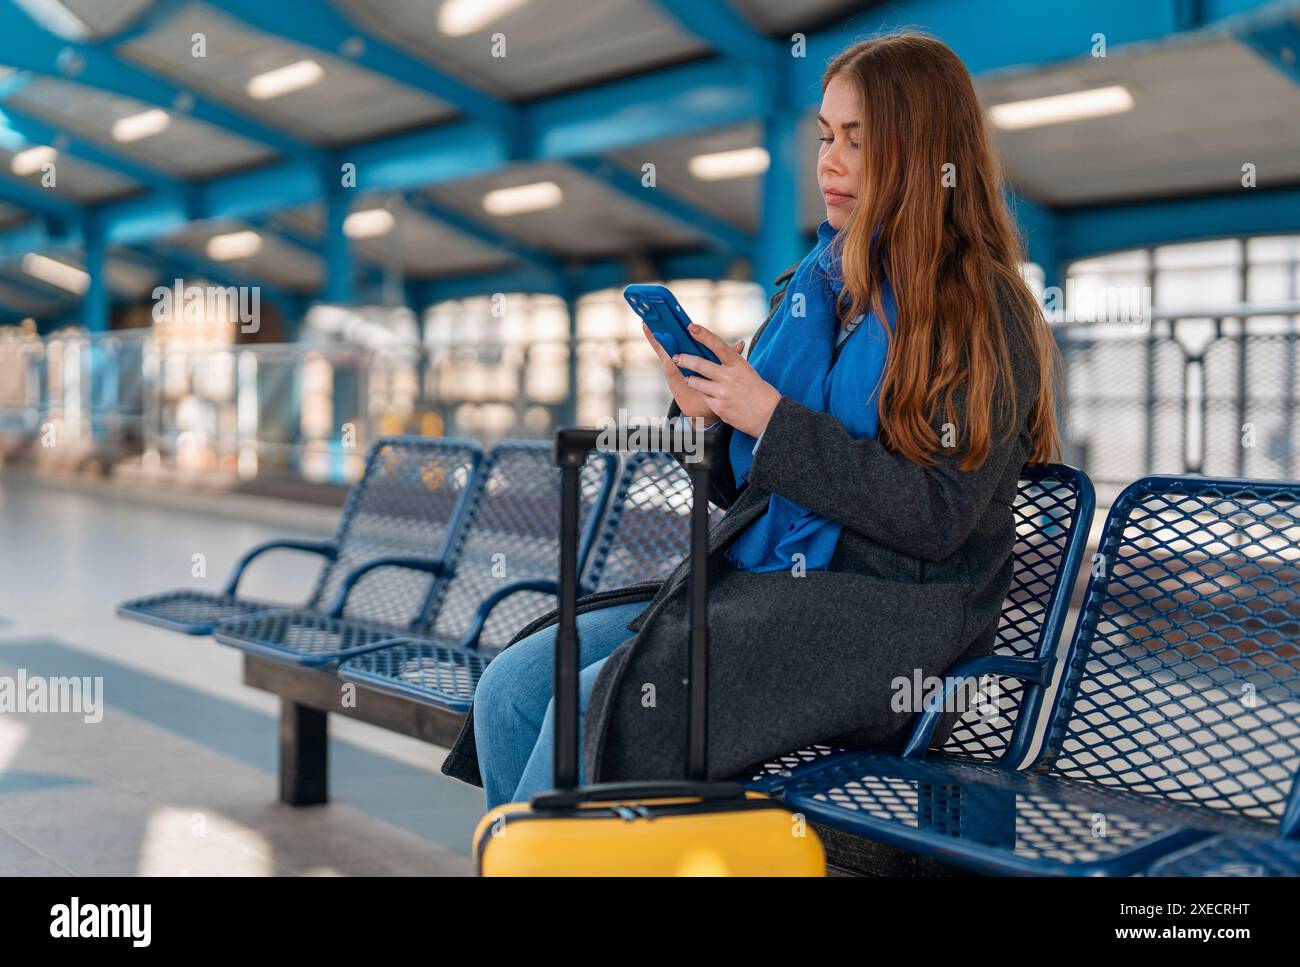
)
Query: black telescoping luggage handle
[
  {"x": 649, "y": 789},
  {"x": 571, "y": 448}
]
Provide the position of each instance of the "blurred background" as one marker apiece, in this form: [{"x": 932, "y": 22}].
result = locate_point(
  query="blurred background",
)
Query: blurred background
[{"x": 241, "y": 240}]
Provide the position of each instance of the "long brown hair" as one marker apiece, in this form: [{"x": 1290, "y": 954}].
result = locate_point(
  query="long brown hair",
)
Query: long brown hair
[{"x": 951, "y": 254}]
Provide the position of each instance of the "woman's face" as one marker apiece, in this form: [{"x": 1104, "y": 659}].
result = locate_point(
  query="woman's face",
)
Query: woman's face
[{"x": 839, "y": 162}]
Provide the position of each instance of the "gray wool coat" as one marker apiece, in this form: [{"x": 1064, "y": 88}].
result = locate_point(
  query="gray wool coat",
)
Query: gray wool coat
[{"x": 916, "y": 584}]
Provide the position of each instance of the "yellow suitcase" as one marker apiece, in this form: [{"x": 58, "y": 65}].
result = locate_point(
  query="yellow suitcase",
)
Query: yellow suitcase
[{"x": 686, "y": 828}]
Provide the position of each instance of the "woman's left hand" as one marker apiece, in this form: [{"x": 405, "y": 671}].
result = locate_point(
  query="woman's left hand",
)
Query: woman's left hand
[{"x": 732, "y": 388}]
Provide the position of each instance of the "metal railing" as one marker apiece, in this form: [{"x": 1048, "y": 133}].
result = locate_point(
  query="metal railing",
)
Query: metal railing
[
  {"x": 1203, "y": 391},
  {"x": 1210, "y": 391},
  {"x": 72, "y": 391},
  {"x": 294, "y": 410}
]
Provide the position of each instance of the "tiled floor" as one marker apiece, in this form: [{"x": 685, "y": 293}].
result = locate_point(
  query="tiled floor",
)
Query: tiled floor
[{"x": 178, "y": 777}]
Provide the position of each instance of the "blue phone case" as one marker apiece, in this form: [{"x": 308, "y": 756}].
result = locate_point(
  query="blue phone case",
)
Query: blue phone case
[{"x": 660, "y": 311}]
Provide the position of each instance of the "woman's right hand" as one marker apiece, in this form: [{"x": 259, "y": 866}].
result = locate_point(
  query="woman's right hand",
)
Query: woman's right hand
[{"x": 688, "y": 400}]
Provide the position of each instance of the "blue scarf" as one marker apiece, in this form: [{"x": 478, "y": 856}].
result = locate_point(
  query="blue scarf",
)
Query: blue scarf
[{"x": 795, "y": 355}]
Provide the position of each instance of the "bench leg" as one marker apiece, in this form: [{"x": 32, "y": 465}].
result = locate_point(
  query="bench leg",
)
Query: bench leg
[{"x": 304, "y": 755}]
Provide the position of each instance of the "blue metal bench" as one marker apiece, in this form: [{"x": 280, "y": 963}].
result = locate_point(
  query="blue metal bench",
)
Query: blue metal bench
[
  {"x": 1053, "y": 512},
  {"x": 1233, "y": 856},
  {"x": 644, "y": 536},
  {"x": 496, "y": 575},
  {"x": 1178, "y": 715},
  {"x": 406, "y": 502}
]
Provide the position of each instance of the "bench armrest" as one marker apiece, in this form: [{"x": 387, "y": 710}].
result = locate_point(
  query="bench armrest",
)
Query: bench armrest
[
  {"x": 1031, "y": 670},
  {"x": 324, "y": 548},
  {"x": 484, "y": 610},
  {"x": 430, "y": 565}
]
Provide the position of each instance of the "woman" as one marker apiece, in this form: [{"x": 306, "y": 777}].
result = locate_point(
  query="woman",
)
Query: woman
[{"x": 873, "y": 438}]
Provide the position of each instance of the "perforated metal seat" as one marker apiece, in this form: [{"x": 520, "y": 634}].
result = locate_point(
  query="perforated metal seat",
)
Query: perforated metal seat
[
  {"x": 1233, "y": 856},
  {"x": 644, "y": 537},
  {"x": 1053, "y": 511},
  {"x": 497, "y": 573},
  {"x": 405, "y": 503},
  {"x": 199, "y": 612},
  {"x": 1178, "y": 715}
]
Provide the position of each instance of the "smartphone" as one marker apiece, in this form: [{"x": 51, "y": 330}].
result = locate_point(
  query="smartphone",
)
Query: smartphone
[{"x": 667, "y": 320}]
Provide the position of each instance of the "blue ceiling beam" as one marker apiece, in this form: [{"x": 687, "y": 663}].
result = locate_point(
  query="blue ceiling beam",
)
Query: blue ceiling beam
[
  {"x": 37, "y": 234},
  {"x": 1069, "y": 233},
  {"x": 531, "y": 257},
  {"x": 593, "y": 276},
  {"x": 695, "y": 98},
  {"x": 321, "y": 27},
  {"x": 26, "y": 46},
  {"x": 151, "y": 18},
  {"x": 143, "y": 218},
  {"x": 1278, "y": 43},
  {"x": 287, "y": 233},
  {"x": 718, "y": 230},
  {"x": 777, "y": 244},
  {"x": 1098, "y": 229},
  {"x": 41, "y": 201},
  {"x": 1030, "y": 33},
  {"x": 726, "y": 31},
  {"x": 311, "y": 245},
  {"x": 176, "y": 262},
  {"x": 57, "y": 247},
  {"x": 31, "y": 130},
  {"x": 445, "y": 152},
  {"x": 670, "y": 102}
]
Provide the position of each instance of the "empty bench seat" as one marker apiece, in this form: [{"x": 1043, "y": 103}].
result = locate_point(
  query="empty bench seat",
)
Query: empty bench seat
[
  {"x": 496, "y": 573},
  {"x": 406, "y": 501}
]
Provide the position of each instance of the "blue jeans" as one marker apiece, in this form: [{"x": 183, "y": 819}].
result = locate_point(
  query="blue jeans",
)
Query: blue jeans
[{"x": 513, "y": 712}]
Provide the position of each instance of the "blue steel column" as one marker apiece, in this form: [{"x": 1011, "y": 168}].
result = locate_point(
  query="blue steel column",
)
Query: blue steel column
[
  {"x": 416, "y": 295},
  {"x": 1042, "y": 231},
  {"x": 292, "y": 309},
  {"x": 779, "y": 245},
  {"x": 95, "y": 302},
  {"x": 338, "y": 253}
]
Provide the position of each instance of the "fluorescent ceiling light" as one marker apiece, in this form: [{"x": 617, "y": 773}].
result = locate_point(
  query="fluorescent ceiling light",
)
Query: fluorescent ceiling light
[
  {"x": 368, "y": 223},
  {"x": 456, "y": 18},
  {"x": 29, "y": 162},
  {"x": 234, "y": 245},
  {"x": 142, "y": 125},
  {"x": 56, "y": 273},
  {"x": 523, "y": 198},
  {"x": 282, "y": 80},
  {"x": 729, "y": 164},
  {"x": 56, "y": 18},
  {"x": 1038, "y": 111}
]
